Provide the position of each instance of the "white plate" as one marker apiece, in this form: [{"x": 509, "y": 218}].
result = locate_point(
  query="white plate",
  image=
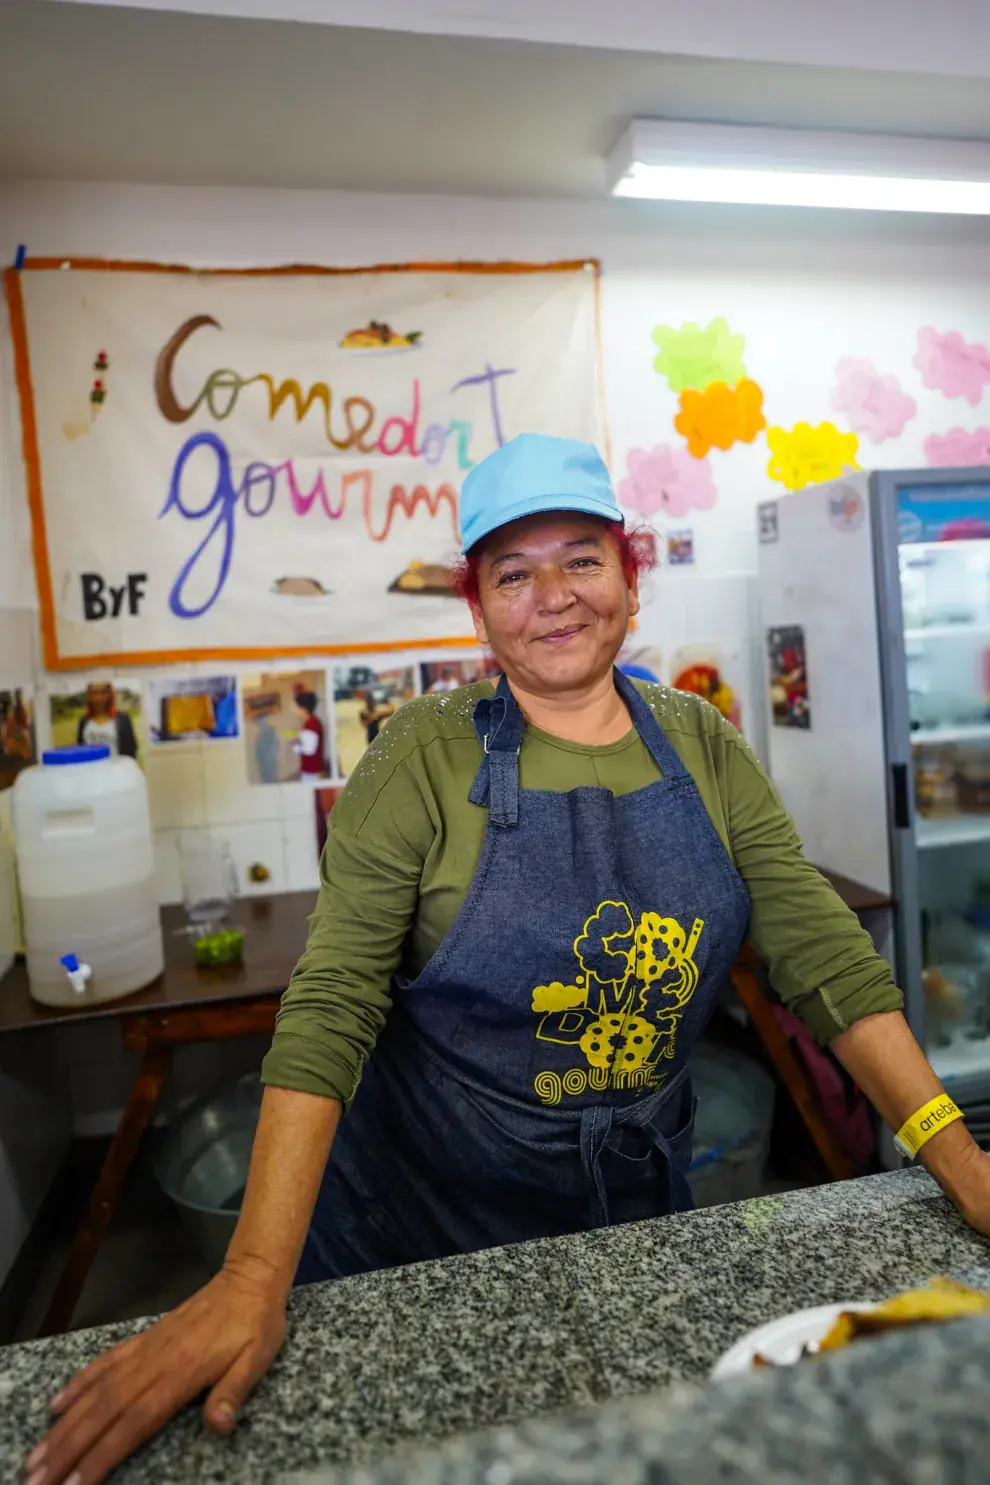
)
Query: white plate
[{"x": 781, "y": 1341}]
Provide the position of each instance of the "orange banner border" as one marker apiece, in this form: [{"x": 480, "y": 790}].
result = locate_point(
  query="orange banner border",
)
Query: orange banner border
[{"x": 32, "y": 456}]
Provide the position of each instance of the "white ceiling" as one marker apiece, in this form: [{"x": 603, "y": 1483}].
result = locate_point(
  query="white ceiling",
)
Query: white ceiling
[
  {"x": 941, "y": 36},
  {"x": 125, "y": 94}
]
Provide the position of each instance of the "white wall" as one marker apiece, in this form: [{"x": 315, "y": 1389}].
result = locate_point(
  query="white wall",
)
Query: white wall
[{"x": 804, "y": 289}]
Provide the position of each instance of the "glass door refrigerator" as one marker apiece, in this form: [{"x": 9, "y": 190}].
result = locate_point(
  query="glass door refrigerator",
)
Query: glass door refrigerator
[{"x": 875, "y": 605}]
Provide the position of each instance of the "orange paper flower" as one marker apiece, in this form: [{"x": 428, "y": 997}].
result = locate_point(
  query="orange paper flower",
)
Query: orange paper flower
[{"x": 720, "y": 416}]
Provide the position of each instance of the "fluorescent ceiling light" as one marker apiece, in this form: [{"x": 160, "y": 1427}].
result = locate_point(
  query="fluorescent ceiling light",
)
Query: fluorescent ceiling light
[{"x": 800, "y": 167}]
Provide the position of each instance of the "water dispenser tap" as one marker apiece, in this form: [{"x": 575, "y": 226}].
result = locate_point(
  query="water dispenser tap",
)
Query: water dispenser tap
[{"x": 78, "y": 973}]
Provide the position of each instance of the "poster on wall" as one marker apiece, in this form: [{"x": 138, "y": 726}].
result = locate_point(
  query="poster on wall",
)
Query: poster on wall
[
  {"x": 285, "y": 732},
  {"x": 278, "y": 454},
  {"x": 790, "y": 703},
  {"x": 364, "y": 701},
  {"x": 192, "y": 708},
  {"x": 18, "y": 745},
  {"x": 104, "y": 713}
]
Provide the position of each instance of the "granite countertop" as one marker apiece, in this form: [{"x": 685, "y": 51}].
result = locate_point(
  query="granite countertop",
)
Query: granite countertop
[{"x": 410, "y": 1356}]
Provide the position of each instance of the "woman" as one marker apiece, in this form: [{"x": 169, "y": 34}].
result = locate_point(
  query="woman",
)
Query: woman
[
  {"x": 531, "y": 895},
  {"x": 311, "y": 744},
  {"x": 103, "y": 723}
]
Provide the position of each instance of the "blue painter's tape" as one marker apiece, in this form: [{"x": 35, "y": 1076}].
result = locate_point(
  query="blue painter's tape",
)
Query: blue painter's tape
[{"x": 19, "y": 256}]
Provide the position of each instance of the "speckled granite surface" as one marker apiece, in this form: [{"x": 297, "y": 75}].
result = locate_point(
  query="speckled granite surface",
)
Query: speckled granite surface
[
  {"x": 386, "y": 1361},
  {"x": 905, "y": 1410}
]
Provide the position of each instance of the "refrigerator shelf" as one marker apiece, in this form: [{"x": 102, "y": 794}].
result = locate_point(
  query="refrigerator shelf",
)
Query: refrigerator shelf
[
  {"x": 947, "y": 631},
  {"x": 953, "y": 830},
  {"x": 965, "y": 732}
]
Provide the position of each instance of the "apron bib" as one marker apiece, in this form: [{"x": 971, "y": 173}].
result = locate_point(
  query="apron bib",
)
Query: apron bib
[{"x": 534, "y": 1079}]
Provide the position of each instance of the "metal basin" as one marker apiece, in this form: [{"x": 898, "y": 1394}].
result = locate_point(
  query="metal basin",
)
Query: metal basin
[{"x": 203, "y": 1161}]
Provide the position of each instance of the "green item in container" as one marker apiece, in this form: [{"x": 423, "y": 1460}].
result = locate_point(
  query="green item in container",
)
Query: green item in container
[{"x": 225, "y": 947}]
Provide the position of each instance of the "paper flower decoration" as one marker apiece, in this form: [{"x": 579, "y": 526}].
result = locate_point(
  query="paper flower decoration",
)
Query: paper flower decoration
[
  {"x": 874, "y": 405},
  {"x": 950, "y": 365},
  {"x": 806, "y": 456},
  {"x": 667, "y": 479},
  {"x": 691, "y": 357},
  {"x": 959, "y": 447},
  {"x": 720, "y": 416}
]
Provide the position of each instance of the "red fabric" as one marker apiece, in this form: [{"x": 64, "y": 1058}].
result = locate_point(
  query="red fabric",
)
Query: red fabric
[
  {"x": 843, "y": 1102},
  {"x": 316, "y": 762}
]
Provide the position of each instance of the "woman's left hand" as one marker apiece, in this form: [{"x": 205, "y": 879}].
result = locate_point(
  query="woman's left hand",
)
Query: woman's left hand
[{"x": 968, "y": 1184}]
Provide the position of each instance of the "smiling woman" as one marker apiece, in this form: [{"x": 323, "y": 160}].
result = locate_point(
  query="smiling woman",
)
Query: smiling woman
[{"x": 532, "y": 894}]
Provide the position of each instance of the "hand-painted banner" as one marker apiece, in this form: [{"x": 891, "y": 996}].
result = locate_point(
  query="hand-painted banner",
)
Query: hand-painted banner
[{"x": 259, "y": 463}]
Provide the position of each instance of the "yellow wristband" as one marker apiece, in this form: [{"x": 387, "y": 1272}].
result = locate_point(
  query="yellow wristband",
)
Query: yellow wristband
[{"x": 929, "y": 1119}]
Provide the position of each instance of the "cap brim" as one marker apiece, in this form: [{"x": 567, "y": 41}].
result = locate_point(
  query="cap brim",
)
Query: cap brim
[{"x": 584, "y": 505}]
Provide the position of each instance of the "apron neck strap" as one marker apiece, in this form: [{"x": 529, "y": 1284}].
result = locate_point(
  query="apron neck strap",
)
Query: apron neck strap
[{"x": 500, "y": 725}]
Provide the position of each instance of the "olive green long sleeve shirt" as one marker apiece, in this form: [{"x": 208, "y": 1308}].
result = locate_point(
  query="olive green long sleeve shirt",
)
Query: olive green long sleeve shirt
[{"x": 404, "y": 843}]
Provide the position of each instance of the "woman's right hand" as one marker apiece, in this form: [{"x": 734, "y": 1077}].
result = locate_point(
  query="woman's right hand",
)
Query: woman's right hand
[{"x": 223, "y": 1339}]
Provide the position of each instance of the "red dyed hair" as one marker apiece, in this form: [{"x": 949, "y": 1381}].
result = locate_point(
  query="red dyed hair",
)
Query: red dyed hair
[{"x": 637, "y": 553}]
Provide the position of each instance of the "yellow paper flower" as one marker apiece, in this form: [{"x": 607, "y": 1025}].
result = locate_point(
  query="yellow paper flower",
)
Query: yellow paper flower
[
  {"x": 807, "y": 456},
  {"x": 720, "y": 416}
]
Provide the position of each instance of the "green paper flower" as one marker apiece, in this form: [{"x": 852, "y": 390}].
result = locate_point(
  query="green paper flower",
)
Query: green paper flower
[{"x": 694, "y": 358}]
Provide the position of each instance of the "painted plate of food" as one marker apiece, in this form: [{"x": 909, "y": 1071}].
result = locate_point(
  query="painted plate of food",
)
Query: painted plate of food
[
  {"x": 424, "y": 580},
  {"x": 377, "y": 336},
  {"x": 808, "y": 1333},
  {"x": 300, "y": 587}
]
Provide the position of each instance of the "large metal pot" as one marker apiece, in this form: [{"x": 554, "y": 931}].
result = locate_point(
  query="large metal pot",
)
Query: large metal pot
[{"x": 203, "y": 1161}]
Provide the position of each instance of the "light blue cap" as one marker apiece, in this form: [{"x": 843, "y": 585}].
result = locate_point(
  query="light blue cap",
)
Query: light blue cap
[{"x": 532, "y": 473}]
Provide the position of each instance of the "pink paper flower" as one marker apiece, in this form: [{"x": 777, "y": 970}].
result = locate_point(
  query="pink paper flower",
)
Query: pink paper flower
[
  {"x": 667, "y": 479},
  {"x": 948, "y": 364},
  {"x": 958, "y": 447},
  {"x": 874, "y": 405}
]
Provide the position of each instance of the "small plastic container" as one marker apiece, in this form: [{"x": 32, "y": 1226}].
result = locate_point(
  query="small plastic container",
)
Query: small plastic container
[{"x": 82, "y": 833}]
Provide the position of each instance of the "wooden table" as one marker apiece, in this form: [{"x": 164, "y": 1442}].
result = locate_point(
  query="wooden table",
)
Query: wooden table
[{"x": 188, "y": 1004}]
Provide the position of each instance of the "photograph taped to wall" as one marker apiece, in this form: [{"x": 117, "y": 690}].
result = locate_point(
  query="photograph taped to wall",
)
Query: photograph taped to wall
[
  {"x": 192, "y": 708},
  {"x": 104, "y": 712},
  {"x": 317, "y": 423},
  {"x": 790, "y": 702},
  {"x": 18, "y": 742},
  {"x": 708, "y": 672},
  {"x": 285, "y": 735},
  {"x": 324, "y": 799},
  {"x": 364, "y": 701},
  {"x": 438, "y": 676}
]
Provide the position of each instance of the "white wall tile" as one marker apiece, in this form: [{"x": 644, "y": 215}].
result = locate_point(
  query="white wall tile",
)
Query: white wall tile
[
  {"x": 176, "y": 786},
  {"x": 258, "y": 841},
  {"x": 230, "y": 799},
  {"x": 168, "y": 870},
  {"x": 301, "y": 864}
]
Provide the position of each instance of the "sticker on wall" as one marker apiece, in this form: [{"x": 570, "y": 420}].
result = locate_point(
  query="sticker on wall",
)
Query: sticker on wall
[
  {"x": 846, "y": 508},
  {"x": 957, "y": 448},
  {"x": 104, "y": 713},
  {"x": 804, "y": 455},
  {"x": 680, "y": 548},
  {"x": 702, "y": 671},
  {"x": 667, "y": 479},
  {"x": 192, "y": 709},
  {"x": 790, "y": 703},
  {"x": 18, "y": 743},
  {"x": 690, "y": 357},
  {"x": 950, "y": 365},
  {"x": 768, "y": 522},
  {"x": 364, "y": 701},
  {"x": 874, "y": 405},
  {"x": 285, "y": 734},
  {"x": 720, "y": 415}
]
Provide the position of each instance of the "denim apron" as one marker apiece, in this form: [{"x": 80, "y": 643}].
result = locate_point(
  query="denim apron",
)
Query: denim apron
[{"x": 534, "y": 1079}]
